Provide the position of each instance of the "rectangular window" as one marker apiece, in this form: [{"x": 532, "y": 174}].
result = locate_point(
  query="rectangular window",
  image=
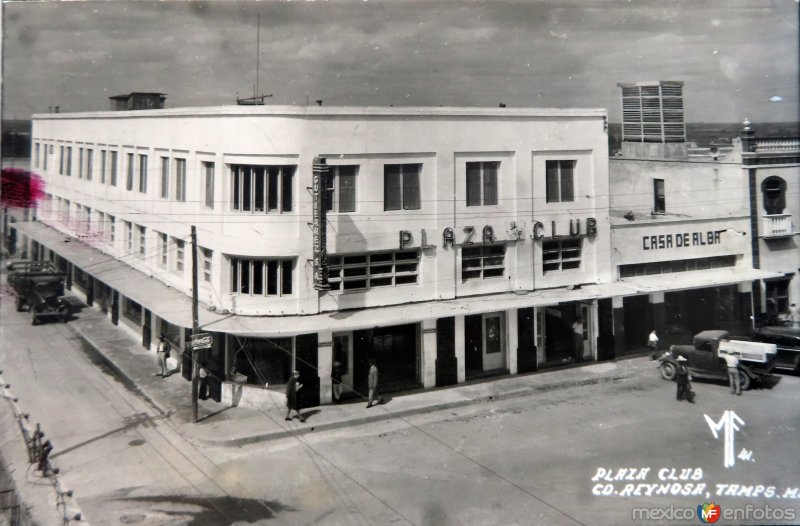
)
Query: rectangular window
[
  {"x": 180, "y": 180},
  {"x": 142, "y": 241},
  {"x": 340, "y": 189},
  {"x": 165, "y": 177},
  {"x": 262, "y": 188},
  {"x": 374, "y": 269},
  {"x": 89, "y": 163},
  {"x": 163, "y": 250},
  {"x": 103, "y": 160},
  {"x": 131, "y": 167},
  {"x": 208, "y": 170},
  {"x": 69, "y": 160},
  {"x": 36, "y": 155},
  {"x": 659, "y": 198},
  {"x": 180, "y": 253},
  {"x": 143, "y": 174},
  {"x": 45, "y": 156},
  {"x": 560, "y": 181},
  {"x": 112, "y": 229},
  {"x": 128, "y": 237},
  {"x": 101, "y": 225},
  {"x": 114, "y": 164},
  {"x": 132, "y": 311},
  {"x": 482, "y": 261},
  {"x": 261, "y": 277},
  {"x": 561, "y": 254},
  {"x": 401, "y": 186},
  {"x": 80, "y": 163},
  {"x": 205, "y": 256},
  {"x": 61, "y": 159},
  {"x": 482, "y": 183}
]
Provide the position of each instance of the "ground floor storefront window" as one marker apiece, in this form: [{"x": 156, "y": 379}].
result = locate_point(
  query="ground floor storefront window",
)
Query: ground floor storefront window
[{"x": 261, "y": 361}]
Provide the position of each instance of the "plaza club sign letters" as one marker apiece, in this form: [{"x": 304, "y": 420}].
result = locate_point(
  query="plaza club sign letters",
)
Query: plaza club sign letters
[{"x": 514, "y": 231}]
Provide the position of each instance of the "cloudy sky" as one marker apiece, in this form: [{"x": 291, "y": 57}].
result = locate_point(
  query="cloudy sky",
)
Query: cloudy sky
[{"x": 738, "y": 58}]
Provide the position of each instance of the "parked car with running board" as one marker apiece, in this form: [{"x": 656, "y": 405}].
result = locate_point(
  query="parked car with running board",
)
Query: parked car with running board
[{"x": 756, "y": 359}]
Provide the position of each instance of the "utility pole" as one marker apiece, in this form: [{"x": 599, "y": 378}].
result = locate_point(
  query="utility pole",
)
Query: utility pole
[{"x": 195, "y": 364}]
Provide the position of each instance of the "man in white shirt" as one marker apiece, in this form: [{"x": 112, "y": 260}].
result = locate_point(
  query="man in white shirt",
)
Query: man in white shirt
[
  {"x": 652, "y": 342},
  {"x": 733, "y": 372}
]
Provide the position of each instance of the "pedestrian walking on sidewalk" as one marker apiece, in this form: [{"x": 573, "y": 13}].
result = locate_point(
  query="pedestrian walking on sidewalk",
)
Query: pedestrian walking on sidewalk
[
  {"x": 336, "y": 377},
  {"x": 162, "y": 352},
  {"x": 652, "y": 342},
  {"x": 372, "y": 383},
  {"x": 683, "y": 379},
  {"x": 292, "y": 398},
  {"x": 733, "y": 373},
  {"x": 577, "y": 335}
]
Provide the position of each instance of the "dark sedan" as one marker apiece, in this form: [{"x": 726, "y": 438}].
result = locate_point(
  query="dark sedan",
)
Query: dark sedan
[{"x": 787, "y": 339}]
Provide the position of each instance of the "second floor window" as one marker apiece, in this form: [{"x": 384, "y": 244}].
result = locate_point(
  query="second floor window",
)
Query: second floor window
[
  {"x": 261, "y": 277},
  {"x": 142, "y": 240},
  {"x": 205, "y": 257},
  {"x": 774, "y": 191},
  {"x": 80, "y": 163},
  {"x": 130, "y": 171},
  {"x": 340, "y": 189},
  {"x": 373, "y": 269},
  {"x": 560, "y": 181},
  {"x": 128, "y": 237},
  {"x": 483, "y": 261},
  {"x": 401, "y": 186},
  {"x": 659, "y": 197},
  {"x": 208, "y": 172},
  {"x": 180, "y": 254},
  {"x": 114, "y": 163},
  {"x": 163, "y": 250},
  {"x": 89, "y": 163},
  {"x": 180, "y": 179},
  {"x": 165, "y": 177},
  {"x": 103, "y": 161},
  {"x": 143, "y": 174},
  {"x": 482, "y": 183},
  {"x": 561, "y": 254},
  {"x": 262, "y": 188},
  {"x": 69, "y": 160},
  {"x": 112, "y": 229}
]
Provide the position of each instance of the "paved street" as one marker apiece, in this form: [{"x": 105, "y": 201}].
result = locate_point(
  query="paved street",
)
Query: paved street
[{"x": 524, "y": 460}]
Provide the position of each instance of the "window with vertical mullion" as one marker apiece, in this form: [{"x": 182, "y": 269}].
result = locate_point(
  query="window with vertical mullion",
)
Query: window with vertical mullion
[
  {"x": 89, "y": 163},
  {"x": 392, "y": 187},
  {"x": 208, "y": 168},
  {"x": 180, "y": 179},
  {"x": 143, "y": 173},
  {"x": 411, "y": 199},
  {"x": 114, "y": 168},
  {"x": 130, "y": 170},
  {"x": 473, "y": 184},
  {"x": 552, "y": 182},
  {"x": 165, "y": 177},
  {"x": 567, "y": 170},
  {"x": 103, "y": 160},
  {"x": 490, "y": 182}
]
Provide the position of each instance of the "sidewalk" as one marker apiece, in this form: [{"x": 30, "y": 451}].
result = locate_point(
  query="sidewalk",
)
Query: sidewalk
[{"x": 223, "y": 425}]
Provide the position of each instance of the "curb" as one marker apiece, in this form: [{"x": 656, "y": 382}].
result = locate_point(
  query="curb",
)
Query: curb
[
  {"x": 387, "y": 414},
  {"x": 92, "y": 350}
]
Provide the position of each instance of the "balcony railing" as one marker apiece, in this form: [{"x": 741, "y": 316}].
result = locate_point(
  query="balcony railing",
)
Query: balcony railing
[
  {"x": 778, "y": 225},
  {"x": 777, "y": 145}
]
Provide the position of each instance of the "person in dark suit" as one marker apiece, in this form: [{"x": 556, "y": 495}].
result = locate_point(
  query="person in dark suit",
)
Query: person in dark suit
[
  {"x": 292, "y": 400},
  {"x": 683, "y": 379}
]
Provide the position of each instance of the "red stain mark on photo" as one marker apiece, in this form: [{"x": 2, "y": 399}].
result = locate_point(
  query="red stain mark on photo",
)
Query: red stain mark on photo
[{"x": 20, "y": 188}]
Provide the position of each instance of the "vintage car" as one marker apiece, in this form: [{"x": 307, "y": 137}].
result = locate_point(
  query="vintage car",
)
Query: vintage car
[
  {"x": 787, "y": 340},
  {"x": 756, "y": 359}
]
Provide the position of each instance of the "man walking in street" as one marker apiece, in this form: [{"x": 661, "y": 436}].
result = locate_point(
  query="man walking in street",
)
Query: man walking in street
[
  {"x": 162, "y": 352},
  {"x": 733, "y": 373},
  {"x": 372, "y": 383},
  {"x": 652, "y": 342},
  {"x": 683, "y": 379}
]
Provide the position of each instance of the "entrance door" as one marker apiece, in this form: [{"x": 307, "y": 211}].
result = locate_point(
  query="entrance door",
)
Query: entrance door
[
  {"x": 343, "y": 353},
  {"x": 494, "y": 356}
]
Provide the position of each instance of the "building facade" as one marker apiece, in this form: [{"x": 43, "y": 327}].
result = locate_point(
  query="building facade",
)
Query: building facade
[{"x": 445, "y": 243}]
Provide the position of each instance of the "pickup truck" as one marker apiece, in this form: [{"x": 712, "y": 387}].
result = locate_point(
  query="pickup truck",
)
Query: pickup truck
[
  {"x": 756, "y": 359},
  {"x": 787, "y": 340}
]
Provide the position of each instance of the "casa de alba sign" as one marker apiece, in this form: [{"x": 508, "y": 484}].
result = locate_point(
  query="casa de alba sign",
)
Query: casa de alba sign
[{"x": 515, "y": 231}]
